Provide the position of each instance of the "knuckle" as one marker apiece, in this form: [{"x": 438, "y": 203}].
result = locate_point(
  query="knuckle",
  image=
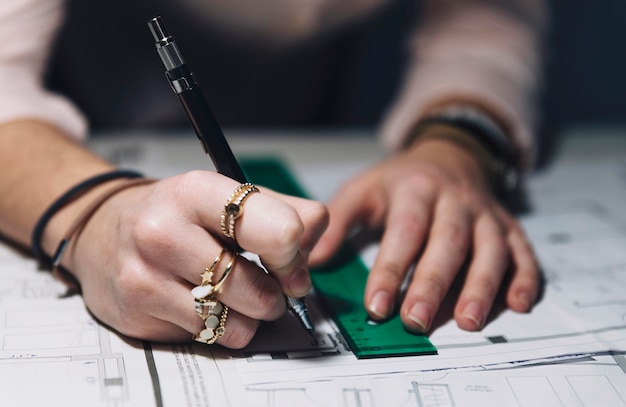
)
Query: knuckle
[
  {"x": 266, "y": 297},
  {"x": 190, "y": 181},
  {"x": 412, "y": 225},
  {"x": 487, "y": 287},
  {"x": 134, "y": 329},
  {"x": 391, "y": 273},
  {"x": 470, "y": 198},
  {"x": 527, "y": 277},
  {"x": 468, "y": 194},
  {"x": 514, "y": 224},
  {"x": 238, "y": 336},
  {"x": 181, "y": 187},
  {"x": 420, "y": 180},
  {"x": 455, "y": 234},
  {"x": 349, "y": 187},
  {"x": 318, "y": 213},
  {"x": 133, "y": 289},
  {"x": 499, "y": 244},
  {"x": 433, "y": 286},
  {"x": 152, "y": 233},
  {"x": 287, "y": 234}
]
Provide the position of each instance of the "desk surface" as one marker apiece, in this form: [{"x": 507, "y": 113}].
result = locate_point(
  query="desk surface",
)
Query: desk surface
[
  {"x": 570, "y": 350},
  {"x": 309, "y": 152}
]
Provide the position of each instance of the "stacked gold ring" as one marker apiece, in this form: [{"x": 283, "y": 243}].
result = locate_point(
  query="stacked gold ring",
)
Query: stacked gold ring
[
  {"x": 212, "y": 311},
  {"x": 234, "y": 208}
]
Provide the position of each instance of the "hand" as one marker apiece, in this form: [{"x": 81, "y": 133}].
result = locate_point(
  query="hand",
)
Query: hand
[
  {"x": 436, "y": 208},
  {"x": 144, "y": 250}
]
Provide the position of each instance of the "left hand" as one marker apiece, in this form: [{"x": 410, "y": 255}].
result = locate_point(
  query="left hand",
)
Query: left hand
[{"x": 436, "y": 207}]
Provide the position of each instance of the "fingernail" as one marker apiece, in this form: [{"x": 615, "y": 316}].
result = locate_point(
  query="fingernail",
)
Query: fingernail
[
  {"x": 300, "y": 283},
  {"x": 380, "y": 304},
  {"x": 524, "y": 300},
  {"x": 420, "y": 314},
  {"x": 474, "y": 312}
]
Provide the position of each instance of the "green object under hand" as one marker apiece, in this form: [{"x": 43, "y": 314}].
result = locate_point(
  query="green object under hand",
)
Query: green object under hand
[{"x": 341, "y": 283}]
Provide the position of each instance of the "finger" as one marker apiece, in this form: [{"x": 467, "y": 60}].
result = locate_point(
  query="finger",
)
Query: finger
[
  {"x": 314, "y": 216},
  {"x": 352, "y": 204},
  {"x": 444, "y": 255},
  {"x": 406, "y": 228},
  {"x": 525, "y": 280},
  {"x": 164, "y": 310},
  {"x": 247, "y": 287},
  {"x": 273, "y": 229},
  {"x": 180, "y": 322},
  {"x": 250, "y": 291},
  {"x": 244, "y": 288},
  {"x": 178, "y": 246},
  {"x": 186, "y": 253},
  {"x": 268, "y": 227},
  {"x": 489, "y": 264},
  {"x": 238, "y": 329},
  {"x": 238, "y": 332}
]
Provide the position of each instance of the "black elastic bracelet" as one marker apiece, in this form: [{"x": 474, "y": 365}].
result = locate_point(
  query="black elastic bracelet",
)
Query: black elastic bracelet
[
  {"x": 35, "y": 241},
  {"x": 496, "y": 143}
]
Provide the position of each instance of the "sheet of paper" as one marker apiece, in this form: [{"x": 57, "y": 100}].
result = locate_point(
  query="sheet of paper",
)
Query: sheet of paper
[
  {"x": 52, "y": 349},
  {"x": 569, "y": 351}
]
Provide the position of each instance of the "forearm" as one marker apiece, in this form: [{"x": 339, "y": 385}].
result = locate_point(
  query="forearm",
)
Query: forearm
[
  {"x": 488, "y": 54},
  {"x": 38, "y": 163}
]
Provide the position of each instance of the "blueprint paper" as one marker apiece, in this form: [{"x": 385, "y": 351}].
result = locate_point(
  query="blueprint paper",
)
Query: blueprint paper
[{"x": 569, "y": 351}]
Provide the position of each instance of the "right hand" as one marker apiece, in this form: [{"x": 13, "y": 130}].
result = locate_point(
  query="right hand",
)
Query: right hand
[{"x": 144, "y": 250}]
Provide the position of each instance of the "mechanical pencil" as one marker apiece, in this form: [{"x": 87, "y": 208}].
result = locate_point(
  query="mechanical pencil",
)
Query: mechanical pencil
[{"x": 207, "y": 129}]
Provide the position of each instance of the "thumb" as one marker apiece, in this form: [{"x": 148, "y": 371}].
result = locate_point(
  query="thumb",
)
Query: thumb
[{"x": 345, "y": 212}]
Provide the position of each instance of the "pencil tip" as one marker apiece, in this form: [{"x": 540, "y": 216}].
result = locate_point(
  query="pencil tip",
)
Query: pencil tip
[{"x": 298, "y": 307}]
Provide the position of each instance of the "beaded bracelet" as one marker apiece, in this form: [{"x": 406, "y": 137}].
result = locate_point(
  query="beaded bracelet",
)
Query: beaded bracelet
[
  {"x": 73, "y": 193},
  {"x": 504, "y": 172}
]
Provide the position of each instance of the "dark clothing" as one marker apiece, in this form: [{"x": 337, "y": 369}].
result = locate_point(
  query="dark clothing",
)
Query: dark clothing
[{"x": 105, "y": 61}]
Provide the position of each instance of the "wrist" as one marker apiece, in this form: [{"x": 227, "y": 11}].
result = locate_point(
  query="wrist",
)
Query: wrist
[
  {"x": 60, "y": 263},
  {"x": 64, "y": 209},
  {"x": 455, "y": 151},
  {"x": 475, "y": 131}
]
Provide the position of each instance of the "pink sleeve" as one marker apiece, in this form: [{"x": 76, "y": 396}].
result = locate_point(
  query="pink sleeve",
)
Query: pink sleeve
[
  {"x": 483, "y": 51},
  {"x": 27, "y": 29}
]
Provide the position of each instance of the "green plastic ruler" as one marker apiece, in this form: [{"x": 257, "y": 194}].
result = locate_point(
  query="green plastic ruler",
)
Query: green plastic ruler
[{"x": 341, "y": 283}]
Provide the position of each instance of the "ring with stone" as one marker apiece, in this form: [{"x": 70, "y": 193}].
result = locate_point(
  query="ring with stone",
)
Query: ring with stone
[{"x": 234, "y": 208}]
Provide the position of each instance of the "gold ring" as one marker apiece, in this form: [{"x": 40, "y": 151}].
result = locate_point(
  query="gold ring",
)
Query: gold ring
[
  {"x": 234, "y": 208},
  {"x": 212, "y": 312}
]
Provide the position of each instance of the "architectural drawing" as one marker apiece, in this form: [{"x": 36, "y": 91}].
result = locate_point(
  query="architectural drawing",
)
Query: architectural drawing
[
  {"x": 569, "y": 351},
  {"x": 49, "y": 342}
]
